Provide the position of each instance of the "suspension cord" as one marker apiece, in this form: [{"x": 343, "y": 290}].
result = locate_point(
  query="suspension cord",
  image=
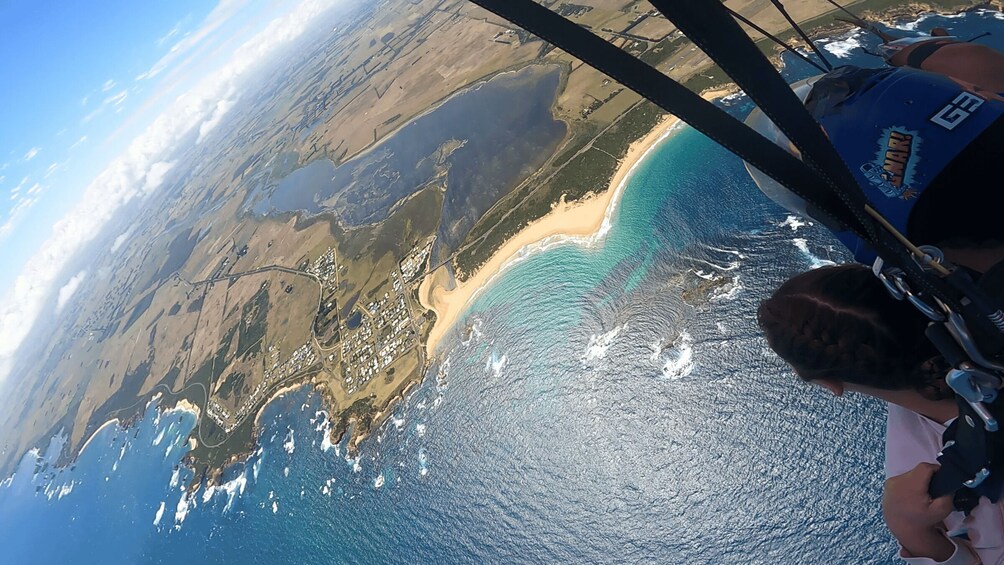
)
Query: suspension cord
[
  {"x": 920, "y": 255},
  {"x": 775, "y": 39},
  {"x": 820, "y": 177},
  {"x": 855, "y": 20},
  {"x": 805, "y": 38}
]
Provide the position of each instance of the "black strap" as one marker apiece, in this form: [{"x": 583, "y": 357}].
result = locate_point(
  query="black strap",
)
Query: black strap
[
  {"x": 798, "y": 29},
  {"x": 823, "y": 180},
  {"x": 968, "y": 449},
  {"x": 708, "y": 25},
  {"x": 774, "y": 38},
  {"x": 711, "y": 28},
  {"x": 673, "y": 97},
  {"x": 922, "y": 51}
]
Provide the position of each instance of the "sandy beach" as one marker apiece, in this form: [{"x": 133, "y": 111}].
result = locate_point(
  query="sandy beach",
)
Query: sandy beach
[
  {"x": 584, "y": 221},
  {"x": 103, "y": 426}
]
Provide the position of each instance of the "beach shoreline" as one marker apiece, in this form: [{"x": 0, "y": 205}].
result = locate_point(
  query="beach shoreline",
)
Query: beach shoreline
[
  {"x": 584, "y": 221},
  {"x": 96, "y": 432}
]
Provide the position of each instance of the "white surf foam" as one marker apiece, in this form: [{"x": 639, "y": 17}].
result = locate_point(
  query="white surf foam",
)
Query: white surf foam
[
  {"x": 289, "y": 445},
  {"x": 181, "y": 510},
  {"x": 735, "y": 252},
  {"x": 420, "y": 429},
  {"x": 379, "y": 481},
  {"x": 423, "y": 463},
  {"x": 656, "y": 347},
  {"x": 599, "y": 344},
  {"x": 496, "y": 363},
  {"x": 794, "y": 222},
  {"x": 232, "y": 488},
  {"x": 326, "y": 487},
  {"x": 159, "y": 438},
  {"x": 474, "y": 332},
  {"x": 843, "y": 48},
  {"x": 398, "y": 423},
  {"x": 65, "y": 489},
  {"x": 159, "y": 515},
  {"x": 727, "y": 291},
  {"x": 814, "y": 261},
  {"x": 275, "y": 507},
  {"x": 680, "y": 364}
]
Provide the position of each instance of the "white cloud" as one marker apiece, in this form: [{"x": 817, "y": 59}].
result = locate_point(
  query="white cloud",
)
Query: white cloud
[
  {"x": 21, "y": 206},
  {"x": 136, "y": 173},
  {"x": 117, "y": 99},
  {"x": 222, "y": 107},
  {"x": 31, "y": 153},
  {"x": 92, "y": 115},
  {"x": 19, "y": 186},
  {"x": 220, "y": 15},
  {"x": 35, "y": 189},
  {"x": 76, "y": 144},
  {"x": 122, "y": 238},
  {"x": 68, "y": 289},
  {"x": 108, "y": 85},
  {"x": 174, "y": 31}
]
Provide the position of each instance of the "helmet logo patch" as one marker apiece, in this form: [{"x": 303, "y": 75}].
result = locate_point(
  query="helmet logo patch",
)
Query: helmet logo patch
[{"x": 892, "y": 170}]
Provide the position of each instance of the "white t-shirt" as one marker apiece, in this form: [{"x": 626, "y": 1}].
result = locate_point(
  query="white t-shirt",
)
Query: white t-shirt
[{"x": 912, "y": 439}]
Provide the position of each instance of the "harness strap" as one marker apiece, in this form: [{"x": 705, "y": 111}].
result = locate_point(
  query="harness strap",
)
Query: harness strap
[
  {"x": 673, "y": 97},
  {"x": 798, "y": 29},
  {"x": 921, "y": 52},
  {"x": 774, "y": 38},
  {"x": 822, "y": 179},
  {"x": 708, "y": 25}
]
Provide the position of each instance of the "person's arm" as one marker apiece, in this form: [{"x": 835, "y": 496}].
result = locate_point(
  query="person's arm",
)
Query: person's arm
[{"x": 917, "y": 521}]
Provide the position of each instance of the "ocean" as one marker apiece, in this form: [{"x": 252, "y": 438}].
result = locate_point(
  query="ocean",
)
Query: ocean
[{"x": 583, "y": 411}]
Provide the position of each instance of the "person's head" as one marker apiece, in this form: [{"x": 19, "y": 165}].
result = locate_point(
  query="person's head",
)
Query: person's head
[{"x": 838, "y": 325}]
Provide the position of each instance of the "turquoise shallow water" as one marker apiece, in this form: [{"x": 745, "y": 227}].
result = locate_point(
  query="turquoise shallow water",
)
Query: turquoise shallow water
[{"x": 590, "y": 416}]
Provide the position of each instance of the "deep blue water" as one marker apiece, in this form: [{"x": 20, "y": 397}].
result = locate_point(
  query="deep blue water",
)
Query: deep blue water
[{"x": 591, "y": 416}]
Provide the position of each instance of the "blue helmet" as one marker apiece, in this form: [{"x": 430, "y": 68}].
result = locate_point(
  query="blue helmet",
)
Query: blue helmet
[{"x": 921, "y": 145}]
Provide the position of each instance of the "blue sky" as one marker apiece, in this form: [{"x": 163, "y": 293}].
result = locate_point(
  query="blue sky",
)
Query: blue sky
[
  {"x": 72, "y": 98},
  {"x": 69, "y": 70},
  {"x": 96, "y": 97}
]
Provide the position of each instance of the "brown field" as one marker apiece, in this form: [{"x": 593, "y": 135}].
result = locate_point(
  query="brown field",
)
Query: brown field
[{"x": 168, "y": 311}]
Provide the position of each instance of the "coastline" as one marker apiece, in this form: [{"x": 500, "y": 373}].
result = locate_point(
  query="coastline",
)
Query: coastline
[
  {"x": 94, "y": 434},
  {"x": 584, "y": 221}
]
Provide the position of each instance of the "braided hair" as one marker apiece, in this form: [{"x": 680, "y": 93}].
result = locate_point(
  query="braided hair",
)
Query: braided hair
[{"x": 840, "y": 323}]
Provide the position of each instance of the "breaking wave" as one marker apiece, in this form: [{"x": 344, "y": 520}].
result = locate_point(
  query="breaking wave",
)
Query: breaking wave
[
  {"x": 159, "y": 514},
  {"x": 815, "y": 262},
  {"x": 842, "y": 48},
  {"x": 599, "y": 344},
  {"x": 681, "y": 354}
]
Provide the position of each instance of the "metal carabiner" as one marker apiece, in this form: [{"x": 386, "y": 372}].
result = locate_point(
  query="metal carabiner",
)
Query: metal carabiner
[
  {"x": 878, "y": 269},
  {"x": 924, "y": 308}
]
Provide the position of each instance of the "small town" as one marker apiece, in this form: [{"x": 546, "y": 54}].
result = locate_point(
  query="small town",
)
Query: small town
[{"x": 301, "y": 359}]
